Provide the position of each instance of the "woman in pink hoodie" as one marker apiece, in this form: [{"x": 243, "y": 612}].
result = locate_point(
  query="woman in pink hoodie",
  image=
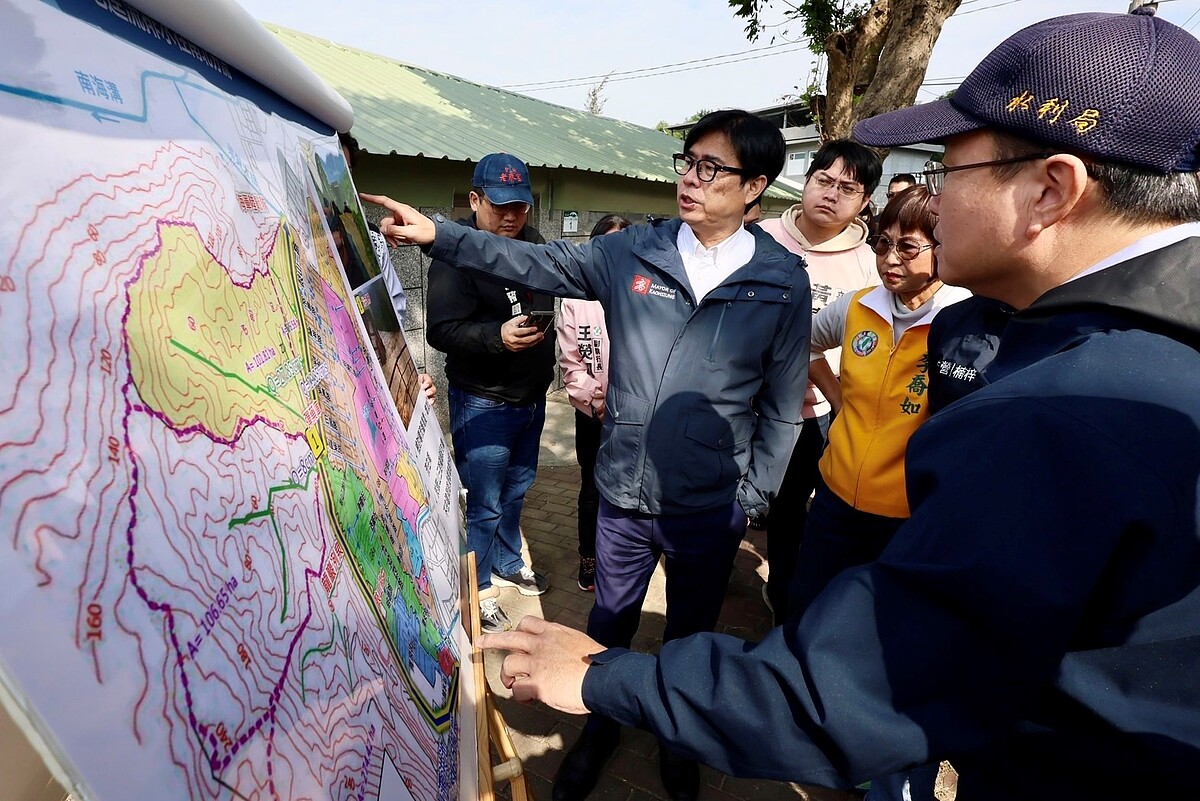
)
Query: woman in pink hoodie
[{"x": 583, "y": 345}]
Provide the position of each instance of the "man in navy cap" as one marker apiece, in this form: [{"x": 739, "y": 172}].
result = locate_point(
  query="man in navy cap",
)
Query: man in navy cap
[
  {"x": 1037, "y": 620},
  {"x": 499, "y": 365}
]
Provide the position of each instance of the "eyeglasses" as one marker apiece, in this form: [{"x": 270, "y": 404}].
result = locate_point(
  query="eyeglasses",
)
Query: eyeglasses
[
  {"x": 706, "y": 169},
  {"x": 844, "y": 189},
  {"x": 516, "y": 207},
  {"x": 935, "y": 171},
  {"x": 907, "y": 249}
]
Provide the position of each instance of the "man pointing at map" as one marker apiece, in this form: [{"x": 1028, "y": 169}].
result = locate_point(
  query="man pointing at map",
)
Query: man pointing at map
[{"x": 705, "y": 316}]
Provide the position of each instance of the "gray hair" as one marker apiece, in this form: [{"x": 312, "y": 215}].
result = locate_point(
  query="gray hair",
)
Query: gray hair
[{"x": 1132, "y": 194}]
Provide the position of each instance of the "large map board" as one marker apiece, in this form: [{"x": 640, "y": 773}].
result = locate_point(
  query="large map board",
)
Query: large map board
[{"x": 228, "y": 568}]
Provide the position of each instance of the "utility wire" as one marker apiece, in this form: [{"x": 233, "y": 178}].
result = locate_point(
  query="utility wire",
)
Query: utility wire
[
  {"x": 985, "y": 8},
  {"x": 711, "y": 61},
  {"x": 698, "y": 61}
]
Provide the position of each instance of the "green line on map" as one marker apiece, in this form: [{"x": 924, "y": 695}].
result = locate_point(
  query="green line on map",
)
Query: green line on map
[
  {"x": 319, "y": 650},
  {"x": 235, "y": 377}
]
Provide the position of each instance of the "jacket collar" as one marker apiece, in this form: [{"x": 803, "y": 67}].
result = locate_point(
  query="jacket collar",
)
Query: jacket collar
[
  {"x": 1156, "y": 292},
  {"x": 772, "y": 263}
]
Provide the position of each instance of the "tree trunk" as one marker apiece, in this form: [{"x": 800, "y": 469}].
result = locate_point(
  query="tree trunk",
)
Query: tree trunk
[
  {"x": 900, "y": 66},
  {"x": 852, "y": 56}
]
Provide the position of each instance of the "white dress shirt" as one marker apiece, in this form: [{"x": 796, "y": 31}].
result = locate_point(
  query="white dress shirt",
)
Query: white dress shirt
[{"x": 707, "y": 267}]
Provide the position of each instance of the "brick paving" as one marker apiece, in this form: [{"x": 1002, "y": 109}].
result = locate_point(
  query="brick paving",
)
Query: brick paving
[{"x": 542, "y": 735}]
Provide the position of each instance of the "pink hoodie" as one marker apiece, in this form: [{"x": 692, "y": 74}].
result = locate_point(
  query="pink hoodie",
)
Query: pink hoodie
[
  {"x": 841, "y": 265},
  {"x": 583, "y": 343}
]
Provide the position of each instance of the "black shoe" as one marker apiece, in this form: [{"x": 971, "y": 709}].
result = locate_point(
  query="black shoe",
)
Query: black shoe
[
  {"x": 581, "y": 767},
  {"x": 587, "y": 573},
  {"x": 680, "y": 775}
]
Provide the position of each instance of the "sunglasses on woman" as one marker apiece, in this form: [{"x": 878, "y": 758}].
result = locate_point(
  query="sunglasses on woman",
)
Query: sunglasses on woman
[{"x": 907, "y": 249}]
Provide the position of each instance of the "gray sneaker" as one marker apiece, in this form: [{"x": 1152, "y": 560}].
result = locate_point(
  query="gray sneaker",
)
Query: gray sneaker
[
  {"x": 491, "y": 617},
  {"x": 525, "y": 580}
]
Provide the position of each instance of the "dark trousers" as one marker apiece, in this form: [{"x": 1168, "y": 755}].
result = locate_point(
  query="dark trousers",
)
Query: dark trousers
[
  {"x": 699, "y": 549},
  {"x": 789, "y": 512},
  {"x": 587, "y": 443},
  {"x": 836, "y": 537}
]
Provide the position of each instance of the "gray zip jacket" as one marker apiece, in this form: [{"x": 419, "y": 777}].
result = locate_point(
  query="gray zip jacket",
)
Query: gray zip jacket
[{"x": 704, "y": 396}]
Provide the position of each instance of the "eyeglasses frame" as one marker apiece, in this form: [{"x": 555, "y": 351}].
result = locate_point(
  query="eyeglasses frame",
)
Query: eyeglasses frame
[
  {"x": 894, "y": 244},
  {"x": 836, "y": 184},
  {"x": 695, "y": 162},
  {"x": 935, "y": 177}
]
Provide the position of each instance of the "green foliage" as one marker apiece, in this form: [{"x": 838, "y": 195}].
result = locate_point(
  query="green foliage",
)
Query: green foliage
[
  {"x": 665, "y": 126},
  {"x": 820, "y": 18}
]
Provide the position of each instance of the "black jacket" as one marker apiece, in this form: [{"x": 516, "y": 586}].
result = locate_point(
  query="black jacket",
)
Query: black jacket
[
  {"x": 962, "y": 342},
  {"x": 464, "y": 313},
  {"x": 1037, "y": 619}
]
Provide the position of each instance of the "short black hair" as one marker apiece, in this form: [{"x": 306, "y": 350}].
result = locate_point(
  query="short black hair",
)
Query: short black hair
[
  {"x": 757, "y": 143},
  {"x": 351, "y": 145},
  {"x": 607, "y": 223},
  {"x": 862, "y": 162},
  {"x": 903, "y": 177}
]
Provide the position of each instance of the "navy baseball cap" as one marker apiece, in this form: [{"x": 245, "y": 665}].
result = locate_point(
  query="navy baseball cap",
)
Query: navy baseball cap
[
  {"x": 1118, "y": 87},
  {"x": 503, "y": 179}
]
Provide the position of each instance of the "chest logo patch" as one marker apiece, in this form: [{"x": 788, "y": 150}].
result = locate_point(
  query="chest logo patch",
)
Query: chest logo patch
[
  {"x": 864, "y": 343},
  {"x": 644, "y": 286}
]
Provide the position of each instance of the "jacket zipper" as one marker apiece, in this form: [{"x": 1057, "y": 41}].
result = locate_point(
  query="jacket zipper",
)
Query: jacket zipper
[{"x": 712, "y": 348}]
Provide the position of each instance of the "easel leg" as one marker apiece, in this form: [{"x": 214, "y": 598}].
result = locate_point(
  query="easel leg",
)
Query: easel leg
[{"x": 490, "y": 726}]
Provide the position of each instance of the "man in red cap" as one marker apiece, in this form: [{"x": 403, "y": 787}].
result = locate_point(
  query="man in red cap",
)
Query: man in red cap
[
  {"x": 499, "y": 365},
  {"x": 1037, "y": 620}
]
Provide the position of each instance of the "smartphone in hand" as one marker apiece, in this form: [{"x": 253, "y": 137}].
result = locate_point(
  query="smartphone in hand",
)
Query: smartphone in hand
[{"x": 539, "y": 319}]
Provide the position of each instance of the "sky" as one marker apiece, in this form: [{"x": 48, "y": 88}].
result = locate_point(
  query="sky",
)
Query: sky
[{"x": 684, "y": 55}]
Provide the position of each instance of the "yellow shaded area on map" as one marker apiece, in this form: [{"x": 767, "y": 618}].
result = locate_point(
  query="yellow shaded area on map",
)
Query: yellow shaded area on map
[
  {"x": 211, "y": 354},
  {"x": 406, "y": 470}
]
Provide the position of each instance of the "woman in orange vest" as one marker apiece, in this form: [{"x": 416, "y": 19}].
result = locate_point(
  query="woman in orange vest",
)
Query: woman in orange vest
[{"x": 879, "y": 399}]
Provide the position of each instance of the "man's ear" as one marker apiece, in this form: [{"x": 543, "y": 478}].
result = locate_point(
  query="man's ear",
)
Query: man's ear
[
  {"x": 754, "y": 187},
  {"x": 1060, "y": 183},
  {"x": 474, "y": 200}
]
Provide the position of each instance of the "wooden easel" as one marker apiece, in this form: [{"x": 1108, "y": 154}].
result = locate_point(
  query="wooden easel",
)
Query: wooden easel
[{"x": 490, "y": 726}]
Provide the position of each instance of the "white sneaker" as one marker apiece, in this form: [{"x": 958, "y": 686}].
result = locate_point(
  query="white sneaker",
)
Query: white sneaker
[{"x": 491, "y": 617}]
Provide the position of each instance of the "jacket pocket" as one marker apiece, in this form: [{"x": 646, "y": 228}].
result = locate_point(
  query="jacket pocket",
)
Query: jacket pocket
[
  {"x": 617, "y": 460},
  {"x": 713, "y": 445}
]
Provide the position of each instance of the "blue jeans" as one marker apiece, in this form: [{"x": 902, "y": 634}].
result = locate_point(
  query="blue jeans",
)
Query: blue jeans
[{"x": 496, "y": 453}]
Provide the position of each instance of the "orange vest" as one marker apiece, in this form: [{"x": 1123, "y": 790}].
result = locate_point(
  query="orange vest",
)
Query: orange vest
[{"x": 883, "y": 402}]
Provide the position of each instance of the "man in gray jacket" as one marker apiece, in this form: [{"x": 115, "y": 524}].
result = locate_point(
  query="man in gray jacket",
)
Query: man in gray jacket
[{"x": 708, "y": 363}]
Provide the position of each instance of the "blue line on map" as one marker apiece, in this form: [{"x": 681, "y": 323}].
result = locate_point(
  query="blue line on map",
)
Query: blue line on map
[{"x": 101, "y": 113}]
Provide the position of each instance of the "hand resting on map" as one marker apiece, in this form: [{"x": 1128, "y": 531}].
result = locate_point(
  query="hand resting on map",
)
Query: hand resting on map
[{"x": 546, "y": 662}]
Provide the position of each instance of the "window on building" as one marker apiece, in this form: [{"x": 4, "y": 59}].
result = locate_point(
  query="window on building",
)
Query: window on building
[{"x": 797, "y": 163}]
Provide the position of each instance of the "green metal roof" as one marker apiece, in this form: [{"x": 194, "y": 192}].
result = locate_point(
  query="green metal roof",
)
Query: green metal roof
[{"x": 409, "y": 111}]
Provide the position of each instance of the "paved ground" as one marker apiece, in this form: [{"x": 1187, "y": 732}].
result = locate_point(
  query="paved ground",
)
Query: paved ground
[{"x": 542, "y": 735}]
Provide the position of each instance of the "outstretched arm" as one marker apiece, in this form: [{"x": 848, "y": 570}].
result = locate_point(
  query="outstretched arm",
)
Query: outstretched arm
[{"x": 404, "y": 225}]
